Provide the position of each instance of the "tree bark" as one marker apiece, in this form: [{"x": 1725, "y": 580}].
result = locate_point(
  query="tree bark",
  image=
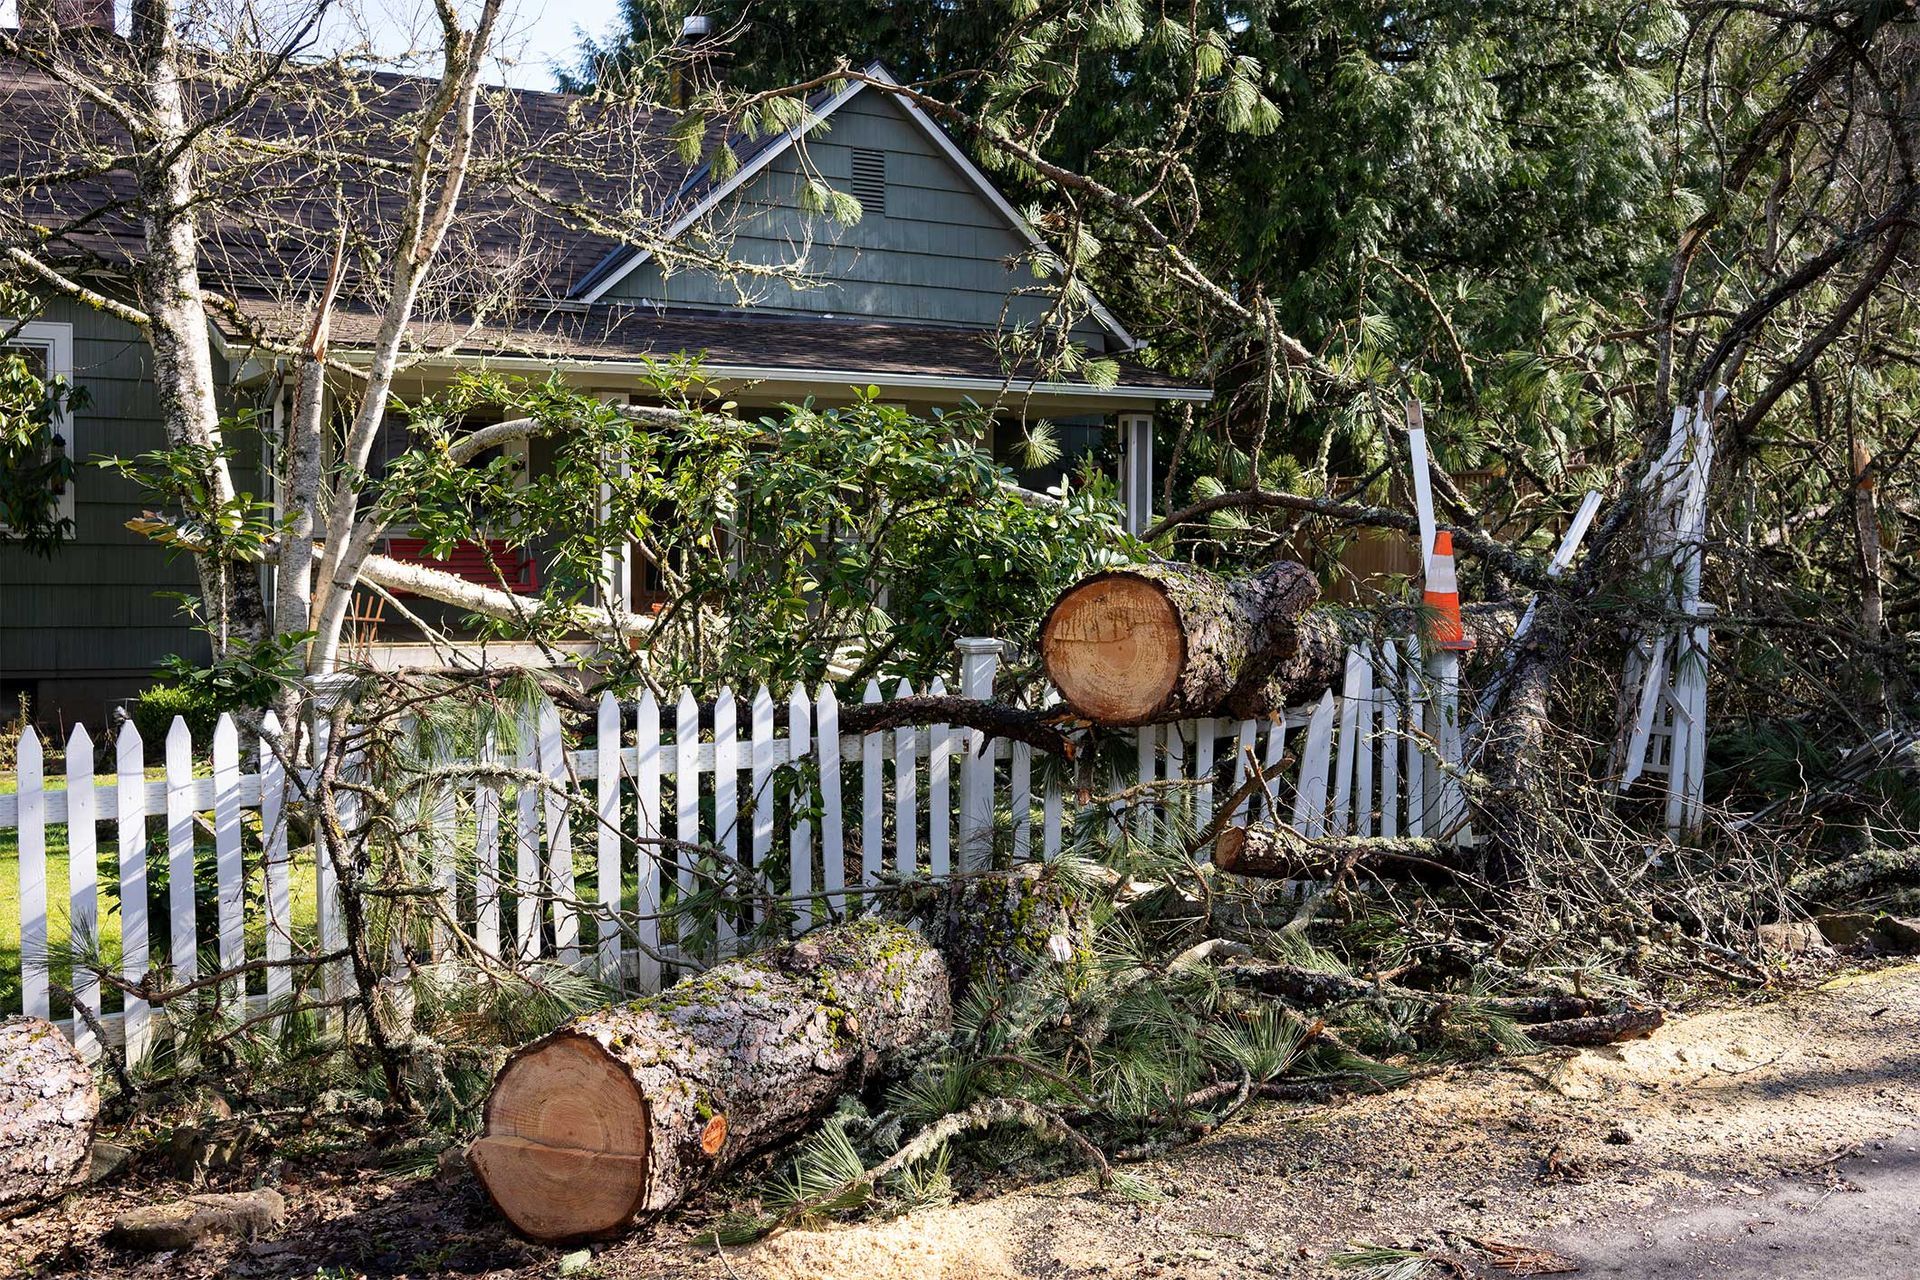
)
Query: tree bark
[
  {"x": 1275, "y": 851},
  {"x": 999, "y": 927},
  {"x": 1158, "y": 642},
  {"x": 629, "y": 1110},
  {"x": 47, "y": 1107}
]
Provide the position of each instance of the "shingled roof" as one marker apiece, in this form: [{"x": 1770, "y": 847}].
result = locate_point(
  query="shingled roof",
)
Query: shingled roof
[{"x": 555, "y": 176}]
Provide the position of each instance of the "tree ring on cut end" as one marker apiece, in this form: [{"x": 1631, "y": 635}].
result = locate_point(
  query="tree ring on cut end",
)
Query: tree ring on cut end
[
  {"x": 1114, "y": 646},
  {"x": 565, "y": 1152}
]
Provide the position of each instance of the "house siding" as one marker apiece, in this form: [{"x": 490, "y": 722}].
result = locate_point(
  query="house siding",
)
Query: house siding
[
  {"x": 936, "y": 253},
  {"x": 86, "y": 625}
]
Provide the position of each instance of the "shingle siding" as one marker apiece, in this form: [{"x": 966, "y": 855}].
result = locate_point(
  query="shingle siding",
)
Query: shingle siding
[
  {"x": 96, "y": 606},
  {"x": 937, "y": 253}
]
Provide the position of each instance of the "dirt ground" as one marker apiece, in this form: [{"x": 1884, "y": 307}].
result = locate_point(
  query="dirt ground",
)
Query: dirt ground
[{"x": 1717, "y": 1129}]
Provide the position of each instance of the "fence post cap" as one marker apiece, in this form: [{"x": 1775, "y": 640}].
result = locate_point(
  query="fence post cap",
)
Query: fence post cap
[{"x": 978, "y": 644}]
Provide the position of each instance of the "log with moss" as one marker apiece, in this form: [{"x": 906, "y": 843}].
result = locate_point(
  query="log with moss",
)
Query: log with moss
[
  {"x": 997, "y": 928},
  {"x": 628, "y": 1110},
  {"x": 48, "y": 1104},
  {"x": 1275, "y": 851},
  {"x": 1158, "y": 642}
]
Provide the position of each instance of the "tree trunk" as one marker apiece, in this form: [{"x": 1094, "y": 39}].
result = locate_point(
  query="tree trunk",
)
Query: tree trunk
[
  {"x": 631, "y": 1109},
  {"x": 999, "y": 927},
  {"x": 1275, "y": 851},
  {"x": 47, "y": 1107},
  {"x": 1160, "y": 642}
]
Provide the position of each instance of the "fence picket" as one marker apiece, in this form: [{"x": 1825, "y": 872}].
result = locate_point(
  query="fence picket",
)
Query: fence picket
[
  {"x": 1338, "y": 816},
  {"x": 274, "y": 870},
  {"x": 1242, "y": 754},
  {"x": 1271, "y": 762},
  {"x": 760, "y": 788},
  {"x": 561, "y": 884},
  {"x": 1386, "y": 693},
  {"x": 1146, "y": 750},
  {"x": 180, "y": 907},
  {"x": 646, "y": 785},
  {"x": 800, "y": 845},
  {"x": 726, "y": 812},
  {"x": 833, "y": 852},
  {"x": 83, "y": 883},
  {"x": 30, "y": 774},
  {"x": 526, "y": 842},
  {"x": 939, "y": 790},
  {"x": 686, "y": 790},
  {"x": 230, "y": 871},
  {"x": 607, "y": 838},
  {"x": 1052, "y": 810},
  {"x": 872, "y": 792},
  {"x": 1363, "y": 749},
  {"x": 906, "y": 837},
  {"x": 1416, "y": 768},
  {"x": 1310, "y": 800},
  {"x": 1205, "y": 731},
  {"x": 486, "y": 852},
  {"x": 1020, "y": 800},
  {"x": 131, "y": 798}
]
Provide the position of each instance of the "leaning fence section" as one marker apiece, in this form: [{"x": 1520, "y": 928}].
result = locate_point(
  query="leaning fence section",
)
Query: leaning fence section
[{"x": 661, "y": 833}]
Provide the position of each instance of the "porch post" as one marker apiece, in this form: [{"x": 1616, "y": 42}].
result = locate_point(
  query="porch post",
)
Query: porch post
[
  {"x": 1136, "y": 469},
  {"x": 616, "y": 567}
]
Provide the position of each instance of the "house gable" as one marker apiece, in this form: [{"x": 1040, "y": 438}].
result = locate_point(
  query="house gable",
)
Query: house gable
[{"x": 940, "y": 247}]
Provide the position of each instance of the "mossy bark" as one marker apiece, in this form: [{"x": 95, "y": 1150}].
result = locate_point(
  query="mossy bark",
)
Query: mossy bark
[
  {"x": 48, "y": 1103},
  {"x": 998, "y": 927}
]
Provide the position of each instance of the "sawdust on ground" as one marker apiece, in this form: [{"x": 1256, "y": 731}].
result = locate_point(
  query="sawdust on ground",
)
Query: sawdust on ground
[{"x": 1710, "y": 1109}]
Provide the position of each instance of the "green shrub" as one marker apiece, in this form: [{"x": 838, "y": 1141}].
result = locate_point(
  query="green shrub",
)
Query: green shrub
[{"x": 154, "y": 710}]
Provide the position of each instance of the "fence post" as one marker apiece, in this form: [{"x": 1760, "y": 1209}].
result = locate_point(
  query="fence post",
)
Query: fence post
[
  {"x": 325, "y": 694},
  {"x": 979, "y": 663}
]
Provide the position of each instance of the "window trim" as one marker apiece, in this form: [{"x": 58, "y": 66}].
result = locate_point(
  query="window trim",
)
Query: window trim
[{"x": 56, "y": 338}]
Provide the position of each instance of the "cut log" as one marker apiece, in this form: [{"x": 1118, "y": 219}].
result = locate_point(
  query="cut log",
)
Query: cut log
[
  {"x": 628, "y": 1110},
  {"x": 48, "y": 1103},
  {"x": 1275, "y": 851},
  {"x": 1159, "y": 642},
  {"x": 999, "y": 927}
]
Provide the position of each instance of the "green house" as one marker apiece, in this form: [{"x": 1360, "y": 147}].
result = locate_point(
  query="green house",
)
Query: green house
[{"x": 917, "y": 297}]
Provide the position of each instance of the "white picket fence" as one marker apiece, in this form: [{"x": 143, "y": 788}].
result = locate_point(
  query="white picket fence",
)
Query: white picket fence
[{"x": 847, "y": 810}]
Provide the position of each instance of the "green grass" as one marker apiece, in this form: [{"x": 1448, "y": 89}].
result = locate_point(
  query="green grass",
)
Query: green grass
[{"x": 301, "y": 898}]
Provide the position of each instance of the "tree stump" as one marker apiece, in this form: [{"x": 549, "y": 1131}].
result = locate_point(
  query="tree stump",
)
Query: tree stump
[
  {"x": 630, "y": 1109},
  {"x": 48, "y": 1103},
  {"x": 1158, "y": 642}
]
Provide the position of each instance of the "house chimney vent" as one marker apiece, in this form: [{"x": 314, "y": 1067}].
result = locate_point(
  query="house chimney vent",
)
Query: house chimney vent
[{"x": 695, "y": 27}]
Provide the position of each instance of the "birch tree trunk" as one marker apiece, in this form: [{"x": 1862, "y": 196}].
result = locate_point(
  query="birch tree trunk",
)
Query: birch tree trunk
[{"x": 168, "y": 284}]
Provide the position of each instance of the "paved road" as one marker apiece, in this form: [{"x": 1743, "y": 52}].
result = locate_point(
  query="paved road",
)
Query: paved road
[{"x": 1857, "y": 1219}]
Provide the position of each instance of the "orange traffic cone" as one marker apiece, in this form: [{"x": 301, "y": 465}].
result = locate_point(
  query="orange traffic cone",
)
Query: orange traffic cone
[{"x": 1443, "y": 595}]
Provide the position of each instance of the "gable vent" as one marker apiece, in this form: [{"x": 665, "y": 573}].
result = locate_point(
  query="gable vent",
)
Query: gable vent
[{"x": 870, "y": 179}]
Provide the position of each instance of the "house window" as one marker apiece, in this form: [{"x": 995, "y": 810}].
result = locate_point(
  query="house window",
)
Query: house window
[
  {"x": 870, "y": 180},
  {"x": 47, "y": 347}
]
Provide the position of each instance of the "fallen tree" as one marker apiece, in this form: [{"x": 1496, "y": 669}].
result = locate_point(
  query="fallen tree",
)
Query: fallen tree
[
  {"x": 1157, "y": 642},
  {"x": 1275, "y": 851},
  {"x": 48, "y": 1103},
  {"x": 630, "y": 1109}
]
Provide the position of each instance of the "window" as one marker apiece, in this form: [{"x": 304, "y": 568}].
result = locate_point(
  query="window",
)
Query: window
[
  {"x": 870, "y": 180},
  {"x": 47, "y": 348}
]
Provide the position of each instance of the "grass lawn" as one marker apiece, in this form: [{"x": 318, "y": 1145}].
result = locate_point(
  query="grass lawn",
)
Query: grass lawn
[{"x": 301, "y": 896}]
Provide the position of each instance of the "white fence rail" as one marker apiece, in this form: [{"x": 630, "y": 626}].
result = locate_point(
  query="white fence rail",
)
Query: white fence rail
[{"x": 589, "y": 869}]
